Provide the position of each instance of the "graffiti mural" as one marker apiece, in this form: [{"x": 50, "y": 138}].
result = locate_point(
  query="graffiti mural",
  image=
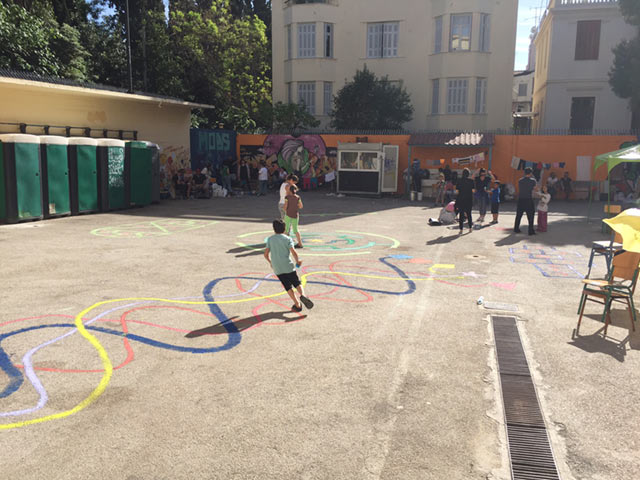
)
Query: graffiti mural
[
  {"x": 172, "y": 159},
  {"x": 210, "y": 148},
  {"x": 307, "y": 155}
]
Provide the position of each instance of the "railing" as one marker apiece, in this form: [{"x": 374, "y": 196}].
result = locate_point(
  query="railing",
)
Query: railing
[
  {"x": 507, "y": 131},
  {"x": 67, "y": 131},
  {"x": 568, "y": 3},
  {"x": 300, "y": 2}
]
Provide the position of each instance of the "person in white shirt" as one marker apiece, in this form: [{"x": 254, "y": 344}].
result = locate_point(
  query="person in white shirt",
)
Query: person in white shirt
[
  {"x": 543, "y": 208},
  {"x": 284, "y": 191},
  {"x": 263, "y": 178}
]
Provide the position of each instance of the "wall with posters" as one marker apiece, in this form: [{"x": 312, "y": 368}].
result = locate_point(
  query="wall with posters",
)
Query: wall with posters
[{"x": 210, "y": 148}]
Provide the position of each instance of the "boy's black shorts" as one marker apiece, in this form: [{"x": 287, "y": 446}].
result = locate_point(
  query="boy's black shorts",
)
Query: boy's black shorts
[
  {"x": 289, "y": 280},
  {"x": 495, "y": 207}
]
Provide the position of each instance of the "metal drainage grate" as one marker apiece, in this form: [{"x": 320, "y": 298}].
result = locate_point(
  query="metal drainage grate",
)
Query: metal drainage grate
[{"x": 529, "y": 448}]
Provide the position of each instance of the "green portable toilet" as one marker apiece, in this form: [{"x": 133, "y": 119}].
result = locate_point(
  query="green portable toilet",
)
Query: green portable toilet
[
  {"x": 55, "y": 176},
  {"x": 21, "y": 189},
  {"x": 83, "y": 175},
  {"x": 138, "y": 170},
  {"x": 155, "y": 171},
  {"x": 113, "y": 186}
]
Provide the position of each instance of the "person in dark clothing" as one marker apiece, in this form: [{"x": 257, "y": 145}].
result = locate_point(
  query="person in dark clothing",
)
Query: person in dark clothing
[
  {"x": 525, "y": 201},
  {"x": 416, "y": 175},
  {"x": 483, "y": 184},
  {"x": 464, "y": 202},
  {"x": 447, "y": 173},
  {"x": 245, "y": 175}
]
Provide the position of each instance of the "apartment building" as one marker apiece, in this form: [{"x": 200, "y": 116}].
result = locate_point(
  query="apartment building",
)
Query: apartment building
[
  {"x": 573, "y": 57},
  {"x": 522, "y": 96},
  {"x": 454, "y": 57}
]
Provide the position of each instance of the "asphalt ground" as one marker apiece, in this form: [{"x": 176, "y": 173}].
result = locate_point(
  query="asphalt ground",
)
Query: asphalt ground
[{"x": 189, "y": 364}]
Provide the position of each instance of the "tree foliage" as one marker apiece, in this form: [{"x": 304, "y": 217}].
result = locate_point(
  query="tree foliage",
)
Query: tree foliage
[
  {"x": 624, "y": 74},
  {"x": 291, "y": 116},
  {"x": 371, "y": 103},
  {"x": 214, "y": 52}
]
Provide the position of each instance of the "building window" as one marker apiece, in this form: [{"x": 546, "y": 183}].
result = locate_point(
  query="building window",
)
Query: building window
[
  {"x": 460, "y": 32},
  {"x": 328, "y": 97},
  {"x": 382, "y": 39},
  {"x": 485, "y": 32},
  {"x": 481, "y": 95},
  {"x": 582, "y": 110},
  {"x": 435, "y": 96},
  {"x": 328, "y": 40},
  {"x": 289, "y": 43},
  {"x": 307, "y": 96},
  {"x": 306, "y": 40},
  {"x": 437, "y": 44},
  {"x": 457, "y": 95},
  {"x": 522, "y": 90},
  {"x": 588, "y": 40}
]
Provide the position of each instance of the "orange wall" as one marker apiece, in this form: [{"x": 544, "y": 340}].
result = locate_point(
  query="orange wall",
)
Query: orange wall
[{"x": 532, "y": 148}]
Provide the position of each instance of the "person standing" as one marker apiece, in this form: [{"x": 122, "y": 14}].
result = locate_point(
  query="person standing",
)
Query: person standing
[
  {"x": 245, "y": 175},
  {"x": 263, "y": 178},
  {"x": 284, "y": 191},
  {"x": 464, "y": 202},
  {"x": 525, "y": 200},
  {"x": 566, "y": 185},
  {"x": 292, "y": 207},
  {"x": 543, "y": 208},
  {"x": 495, "y": 201},
  {"x": 226, "y": 179},
  {"x": 552, "y": 182},
  {"x": 482, "y": 191}
]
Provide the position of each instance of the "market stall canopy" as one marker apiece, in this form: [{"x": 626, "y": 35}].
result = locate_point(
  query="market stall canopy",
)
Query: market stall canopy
[{"x": 611, "y": 159}]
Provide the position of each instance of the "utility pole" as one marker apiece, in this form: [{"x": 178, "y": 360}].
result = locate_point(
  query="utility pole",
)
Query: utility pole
[{"x": 129, "y": 46}]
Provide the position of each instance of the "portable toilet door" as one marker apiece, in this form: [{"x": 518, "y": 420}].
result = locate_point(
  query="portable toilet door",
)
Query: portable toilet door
[
  {"x": 155, "y": 171},
  {"x": 138, "y": 169},
  {"x": 22, "y": 177},
  {"x": 113, "y": 188},
  {"x": 83, "y": 175},
  {"x": 55, "y": 176}
]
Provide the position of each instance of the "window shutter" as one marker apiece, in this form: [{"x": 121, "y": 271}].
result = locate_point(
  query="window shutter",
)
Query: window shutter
[{"x": 588, "y": 40}]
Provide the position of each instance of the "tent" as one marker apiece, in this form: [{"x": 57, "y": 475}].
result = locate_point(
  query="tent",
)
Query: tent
[{"x": 612, "y": 160}]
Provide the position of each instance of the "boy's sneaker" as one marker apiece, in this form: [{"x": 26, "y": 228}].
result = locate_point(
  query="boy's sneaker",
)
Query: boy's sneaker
[
  {"x": 296, "y": 309},
  {"x": 307, "y": 302}
]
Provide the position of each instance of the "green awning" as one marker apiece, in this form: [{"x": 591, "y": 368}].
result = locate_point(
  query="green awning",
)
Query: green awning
[{"x": 611, "y": 159}]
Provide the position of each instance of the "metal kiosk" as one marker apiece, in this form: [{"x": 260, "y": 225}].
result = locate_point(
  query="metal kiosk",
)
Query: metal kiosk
[
  {"x": 367, "y": 168},
  {"x": 113, "y": 184},
  {"x": 83, "y": 175},
  {"x": 20, "y": 178},
  {"x": 55, "y": 176}
]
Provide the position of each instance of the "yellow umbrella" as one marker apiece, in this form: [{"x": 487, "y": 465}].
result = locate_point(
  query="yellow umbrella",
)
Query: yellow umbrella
[{"x": 627, "y": 224}]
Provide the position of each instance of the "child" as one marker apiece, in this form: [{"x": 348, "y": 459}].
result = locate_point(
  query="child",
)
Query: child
[
  {"x": 495, "y": 201},
  {"x": 449, "y": 190},
  {"x": 292, "y": 206},
  {"x": 543, "y": 208},
  {"x": 439, "y": 189},
  {"x": 566, "y": 185},
  {"x": 280, "y": 247}
]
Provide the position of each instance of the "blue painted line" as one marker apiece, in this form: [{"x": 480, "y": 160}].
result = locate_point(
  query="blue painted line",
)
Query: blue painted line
[{"x": 16, "y": 377}]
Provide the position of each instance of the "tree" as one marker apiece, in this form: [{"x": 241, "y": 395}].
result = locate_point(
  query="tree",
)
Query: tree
[
  {"x": 224, "y": 61},
  {"x": 291, "y": 116},
  {"x": 33, "y": 41},
  {"x": 369, "y": 103},
  {"x": 624, "y": 74}
]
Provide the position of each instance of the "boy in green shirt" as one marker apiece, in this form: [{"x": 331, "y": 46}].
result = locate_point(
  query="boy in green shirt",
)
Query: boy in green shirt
[{"x": 280, "y": 247}]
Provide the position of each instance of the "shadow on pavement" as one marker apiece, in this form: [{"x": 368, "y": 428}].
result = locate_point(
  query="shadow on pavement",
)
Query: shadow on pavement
[
  {"x": 249, "y": 250},
  {"x": 245, "y": 323}
]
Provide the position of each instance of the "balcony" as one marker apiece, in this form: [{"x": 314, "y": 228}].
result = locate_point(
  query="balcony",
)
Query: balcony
[
  {"x": 288, "y": 3},
  {"x": 580, "y": 3}
]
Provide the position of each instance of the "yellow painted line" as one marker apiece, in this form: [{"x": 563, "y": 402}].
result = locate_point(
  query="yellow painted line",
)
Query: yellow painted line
[{"x": 106, "y": 361}]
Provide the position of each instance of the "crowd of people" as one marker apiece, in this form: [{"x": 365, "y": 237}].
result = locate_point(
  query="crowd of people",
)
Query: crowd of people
[{"x": 458, "y": 196}]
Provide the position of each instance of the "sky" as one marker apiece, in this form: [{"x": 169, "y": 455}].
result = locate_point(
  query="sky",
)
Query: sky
[{"x": 529, "y": 13}]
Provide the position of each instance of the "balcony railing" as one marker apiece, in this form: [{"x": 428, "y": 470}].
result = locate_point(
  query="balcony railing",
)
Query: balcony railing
[
  {"x": 570, "y": 3},
  {"x": 300, "y": 2}
]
